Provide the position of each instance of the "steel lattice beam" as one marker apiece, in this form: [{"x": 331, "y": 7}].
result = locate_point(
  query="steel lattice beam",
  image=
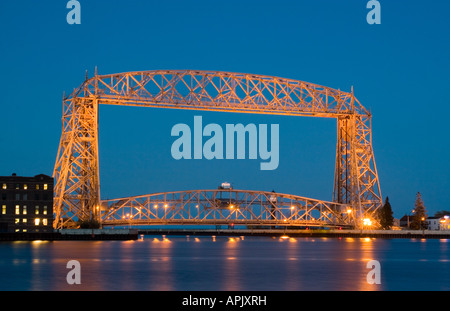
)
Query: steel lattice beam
[
  {"x": 238, "y": 207},
  {"x": 77, "y": 188}
]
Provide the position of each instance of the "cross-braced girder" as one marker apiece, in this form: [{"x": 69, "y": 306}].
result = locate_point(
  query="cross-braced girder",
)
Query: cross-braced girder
[
  {"x": 216, "y": 207},
  {"x": 77, "y": 190}
]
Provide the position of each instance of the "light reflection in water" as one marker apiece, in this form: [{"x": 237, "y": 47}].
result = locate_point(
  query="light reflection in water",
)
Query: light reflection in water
[
  {"x": 231, "y": 273},
  {"x": 222, "y": 263}
]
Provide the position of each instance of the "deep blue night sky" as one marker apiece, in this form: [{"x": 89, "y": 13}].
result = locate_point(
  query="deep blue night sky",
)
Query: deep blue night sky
[{"x": 399, "y": 69}]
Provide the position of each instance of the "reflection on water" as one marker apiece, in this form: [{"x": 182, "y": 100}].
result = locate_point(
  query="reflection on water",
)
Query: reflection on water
[{"x": 227, "y": 263}]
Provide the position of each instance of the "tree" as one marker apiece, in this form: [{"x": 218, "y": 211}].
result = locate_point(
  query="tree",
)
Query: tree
[
  {"x": 419, "y": 214},
  {"x": 440, "y": 214},
  {"x": 386, "y": 216}
]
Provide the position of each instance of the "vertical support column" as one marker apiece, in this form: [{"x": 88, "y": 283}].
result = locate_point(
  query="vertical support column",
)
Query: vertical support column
[
  {"x": 346, "y": 183},
  {"x": 76, "y": 173},
  {"x": 369, "y": 186},
  {"x": 343, "y": 181},
  {"x": 356, "y": 179}
]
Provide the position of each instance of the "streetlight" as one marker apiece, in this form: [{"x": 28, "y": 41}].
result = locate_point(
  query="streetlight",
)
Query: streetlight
[
  {"x": 165, "y": 210},
  {"x": 366, "y": 222}
]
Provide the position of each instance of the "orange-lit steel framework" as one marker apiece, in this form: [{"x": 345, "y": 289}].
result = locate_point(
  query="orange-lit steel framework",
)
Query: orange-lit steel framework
[
  {"x": 76, "y": 173},
  {"x": 224, "y": 206}
]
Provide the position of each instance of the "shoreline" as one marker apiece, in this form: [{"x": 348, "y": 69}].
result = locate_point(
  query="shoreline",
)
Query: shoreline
[
  {"x": 404, "y": 234},
  {"x": 134, "y": 234}
]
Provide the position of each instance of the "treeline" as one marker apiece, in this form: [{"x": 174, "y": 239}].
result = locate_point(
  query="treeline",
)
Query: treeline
[{"x": 385, "y": 216}]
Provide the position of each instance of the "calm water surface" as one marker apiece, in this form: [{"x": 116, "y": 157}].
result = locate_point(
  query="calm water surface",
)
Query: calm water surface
[{"x": 222, "y": 263}]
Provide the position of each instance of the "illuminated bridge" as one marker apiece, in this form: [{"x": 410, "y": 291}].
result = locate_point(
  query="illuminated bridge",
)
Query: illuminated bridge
[
  {"x": 224, "y": 207},
  {"x": 356, "y": 195}
]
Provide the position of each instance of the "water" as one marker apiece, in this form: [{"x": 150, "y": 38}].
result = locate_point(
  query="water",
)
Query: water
[{"x": 221, "y": 264}]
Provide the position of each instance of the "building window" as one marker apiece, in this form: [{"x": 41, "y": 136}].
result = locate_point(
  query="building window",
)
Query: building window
[
  {"x": 25, "y": 187},
  {"x": 16, "y": 221},
  {"x": 37, "y": 186},
  {"x": 3, "y": 209},
  {"x": 25, "y": 196},
  {"x": 37, "y": 210},
  {"x": 4, "y": 186},
  {"x": 45, "y": 210},
  {"x": 36, "y": 221},
  {"x": 36, "y": 196},
  {"x": 17, "y": 209},
  {"x": 17, "y": 186},
  {"x": 17, "y": 196},
  {"x": 24, "y": 220},
  {"x": 3, "y": 196},
  {"x": 45, "y": 186},
  {"x": 44, "y": 221},
  {"x": 24, "y": 210}
]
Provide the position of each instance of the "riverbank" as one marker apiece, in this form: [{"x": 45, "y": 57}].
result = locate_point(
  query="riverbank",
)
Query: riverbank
[
  {"x": 72, "y": 234},
  {"x": 133, "y": 234},
  {"x": 405, "y": 234}
]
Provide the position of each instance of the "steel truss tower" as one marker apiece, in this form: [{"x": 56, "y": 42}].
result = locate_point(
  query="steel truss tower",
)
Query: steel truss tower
[{"x": 76, "y": 172}]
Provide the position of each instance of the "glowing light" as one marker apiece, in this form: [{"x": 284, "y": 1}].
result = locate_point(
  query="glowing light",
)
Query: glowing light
[
  {"x": 292, "y": 240},
  {"x": 232, "y": 240},
  {"x": 349, "y": 211},
  {"x": 284, "y": 237},
  {"x": 231, "y": 206},
  {"x": 292, "y": 207},
  {"x": 155, "y": 240},
  {"x": 367, "y": 222},
  {"x": 39, "y": 241},
  {"x": 197, "y": 240},
  {"x": 165, "y": 205},
  {"x": 155, "y": 206}
]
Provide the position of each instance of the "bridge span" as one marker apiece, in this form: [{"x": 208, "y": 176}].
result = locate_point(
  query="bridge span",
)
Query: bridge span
[{"x": 225, "y": 207}]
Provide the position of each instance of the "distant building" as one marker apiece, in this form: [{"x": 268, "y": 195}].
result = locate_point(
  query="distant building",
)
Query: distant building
[
  {"x": 26, "y": 203},
  {"x": 445, "y": 223},
  {"x": 405, "y": 221},
  {"x": 433, "y": 223},
  {"x": 439, "y": 223}
]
